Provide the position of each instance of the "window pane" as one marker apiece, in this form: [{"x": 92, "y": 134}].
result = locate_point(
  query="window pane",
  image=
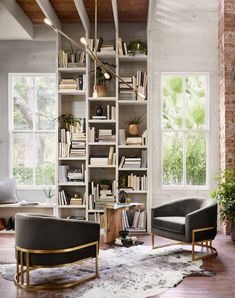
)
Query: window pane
[
  {"x": 196, "y": 158},
  {"x": 23, "y": 160},
  {"x": 45, "y": 102},
  {"x": 195, "y": 96},
  {"x": 172, "y": 91},
  {"x": 45, "y": 158},
  {"x": 172, "y": 158},
  {"x": 23, "y": 102}
]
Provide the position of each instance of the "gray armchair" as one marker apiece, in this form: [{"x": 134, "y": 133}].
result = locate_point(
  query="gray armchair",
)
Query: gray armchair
[
  {"x": 190, "y": 220},
  {"x": 46, "y": 241}
]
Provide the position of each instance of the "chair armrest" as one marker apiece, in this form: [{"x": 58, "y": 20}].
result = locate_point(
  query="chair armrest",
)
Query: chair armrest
[
  {"x": 201, "y": 218},
  {"x": 53, "y": 233}
]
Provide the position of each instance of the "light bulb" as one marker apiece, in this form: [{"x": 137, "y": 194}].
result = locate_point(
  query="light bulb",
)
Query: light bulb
[
  {"x": 83, "y": 41},
  {"x": 141, "y": 95},
  {"x": 95, "y": 92},
  {"x": 106, "y": 75},
  {"x": 47, "y": 22}
]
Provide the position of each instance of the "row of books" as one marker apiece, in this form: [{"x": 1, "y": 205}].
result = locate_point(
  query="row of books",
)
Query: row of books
[
  {"x": 65, "y": 58},
  {"x": 65, "y": 199},
  {"x": 135, "y": 182},
  {"x": 72, "y": 144},
  {"x": 73, "y": 84},
  {"x": 134, "y": 162},
  {"x": 104, "y": 161},
  {"x": 110, "y": 114},
  {"x": 138, "y": 82},
  {"x": 97, "y": 217},
  {"x": 101, "y": 46},
  {"x": 68, "y": 174},
  {"x": 136, "y": 221},
  {"x": 99, "y": 197},
  {"x": 100, "y": 135}
]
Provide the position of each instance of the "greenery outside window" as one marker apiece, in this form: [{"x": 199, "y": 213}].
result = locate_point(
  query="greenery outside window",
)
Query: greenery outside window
[
  {"x": 185, "y": 130},
  {"x": 32, "y": 128}
]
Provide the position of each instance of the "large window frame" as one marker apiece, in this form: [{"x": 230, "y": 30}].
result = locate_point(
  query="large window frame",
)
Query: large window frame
[
  {"x": 33, "y": 131},
  {"x": 184, "y": 130}
]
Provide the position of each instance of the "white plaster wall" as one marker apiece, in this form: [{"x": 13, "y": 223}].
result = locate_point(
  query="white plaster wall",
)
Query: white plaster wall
[{"x": 182, "y": 38}]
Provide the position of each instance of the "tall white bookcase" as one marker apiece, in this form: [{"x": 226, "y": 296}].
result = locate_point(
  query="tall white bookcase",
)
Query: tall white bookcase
[{"x": 81, "y": 104}]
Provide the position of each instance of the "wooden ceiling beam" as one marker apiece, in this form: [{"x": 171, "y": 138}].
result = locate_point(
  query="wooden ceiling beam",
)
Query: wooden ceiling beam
[
  {"x": 49, "y": 12},
  {"x": 83, "y": 15}
]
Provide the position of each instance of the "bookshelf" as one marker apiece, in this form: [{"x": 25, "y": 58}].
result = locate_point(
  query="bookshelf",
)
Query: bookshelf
[{"x": 102, "y": 134}]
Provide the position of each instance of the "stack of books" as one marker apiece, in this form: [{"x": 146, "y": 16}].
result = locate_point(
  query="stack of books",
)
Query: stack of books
[
  {"x": 105, "y": 197},
  {"x": 107, "y": 48},
  {"x": 99, "y": 161},
  {"x": 76, "y": 201},
  {"x": 130, "y": 162},
  {"x": 78, "y": 144},
  {"x": 106, "y": 135},
  {"x": 138, "y": 82},
  {"x": 99, "y": 198},
  {"x": 134, "y": 141},
  {"x": 68, "y": 84}
]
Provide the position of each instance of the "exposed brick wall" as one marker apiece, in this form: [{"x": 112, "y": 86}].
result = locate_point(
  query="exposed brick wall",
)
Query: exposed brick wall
[{"x": 227, "y": 82}]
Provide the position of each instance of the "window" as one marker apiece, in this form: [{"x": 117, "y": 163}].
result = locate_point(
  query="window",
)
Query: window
[
  {"x": 32, "y": 128},
  {"x": 185, "y": 130}
]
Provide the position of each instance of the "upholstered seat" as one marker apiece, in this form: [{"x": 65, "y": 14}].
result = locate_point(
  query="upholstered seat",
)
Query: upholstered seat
[
  {"x": 46, "y": 241},
  {"x": 187, "y": 220}
]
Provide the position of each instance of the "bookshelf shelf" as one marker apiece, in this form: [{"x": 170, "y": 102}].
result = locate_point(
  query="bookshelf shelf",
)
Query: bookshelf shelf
[
  {"x": 101, "y": 121},
  {"x": 72, "y": 184},
  {"x": 132, "y": 147},
  {"x": 101, "y": 99},
  {"x": 95, "y": 210},
  {"x": 76, "y": 92},
  {"x": 136, "y": 191},
  {"x": 72, "y": 158},
  {"x": 136, "y": 58},
  {"x": 133, "y": 169},
  {"x": 104, "y": 166},
  {"x": 133, "y": 102},
  {"x": 72, "y": 69},
  {"x": 102, "y": 144},
  {"x": 72, "y": 206},
  {"x": 106, "y": 55}
]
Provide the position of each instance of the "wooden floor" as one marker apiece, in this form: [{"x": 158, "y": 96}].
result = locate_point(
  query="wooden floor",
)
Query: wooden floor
[{"x": 220, "y": 286}]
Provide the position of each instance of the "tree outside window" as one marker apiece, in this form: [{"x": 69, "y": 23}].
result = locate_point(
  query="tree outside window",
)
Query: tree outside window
[
  {"x": 32, "y": 124},
  {"x": 184, "y": 124}
]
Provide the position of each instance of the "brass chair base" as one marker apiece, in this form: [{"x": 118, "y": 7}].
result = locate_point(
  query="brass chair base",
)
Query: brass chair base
[
  {"x": 207, "y": 245},
  {"x": 19, "y": 277}
]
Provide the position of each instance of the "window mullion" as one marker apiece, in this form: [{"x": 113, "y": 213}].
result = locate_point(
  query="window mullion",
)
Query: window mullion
[
  {"x": 184, "y": 133},
  {"x": 34, "y": 134}
]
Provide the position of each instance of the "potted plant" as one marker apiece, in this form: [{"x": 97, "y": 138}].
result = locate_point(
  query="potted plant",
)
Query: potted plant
[
  {"x": 225, "y": 196},
  {"x": 133, "y": 125},
  {"x": 68, "y": 119},
  {"x": 105, "y": 184},
  {"x": 137, "y": 47},
  {"x": 49, "y": 194}
]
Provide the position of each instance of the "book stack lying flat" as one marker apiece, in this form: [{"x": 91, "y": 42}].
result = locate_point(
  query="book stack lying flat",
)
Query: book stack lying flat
[
  {"x": 106, "y": 135},
  {"x": 99, "y": 161},
  {"x": 107, "y": 48},
  {"x": 134, "y": 141},
  {"x": 99, "y": 198},
  {"x": 76, "y": 201},
  {"x": 68, "y": 84},
  {"x": 130, "y": 162},
  {"x": 78, "y": 144}
]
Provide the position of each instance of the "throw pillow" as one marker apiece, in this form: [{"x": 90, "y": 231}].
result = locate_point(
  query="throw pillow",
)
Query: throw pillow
[{"x": 8, "y": 193}]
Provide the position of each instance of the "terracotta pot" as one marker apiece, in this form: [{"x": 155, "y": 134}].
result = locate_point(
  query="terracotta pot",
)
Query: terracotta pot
[
  {"x": 102, "y": 90},
  {"x": 133, "y": 129}
]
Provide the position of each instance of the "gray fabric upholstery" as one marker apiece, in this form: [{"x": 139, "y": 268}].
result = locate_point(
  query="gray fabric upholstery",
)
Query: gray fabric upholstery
[
  {"x": 177, "y": 219},
  {"x": 37, "y": 231},
  {"x": 8, "y": 193}
]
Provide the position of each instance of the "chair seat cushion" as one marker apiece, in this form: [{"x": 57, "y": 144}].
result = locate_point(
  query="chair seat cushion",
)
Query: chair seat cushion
[{"x": 174, "y": 224}]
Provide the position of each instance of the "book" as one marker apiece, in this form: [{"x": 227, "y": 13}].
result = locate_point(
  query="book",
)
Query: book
[{"x": 122, "y": 137}]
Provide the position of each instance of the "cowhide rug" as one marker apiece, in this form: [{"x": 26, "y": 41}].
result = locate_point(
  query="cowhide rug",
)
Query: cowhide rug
[{"x": 124, "y": 272}]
